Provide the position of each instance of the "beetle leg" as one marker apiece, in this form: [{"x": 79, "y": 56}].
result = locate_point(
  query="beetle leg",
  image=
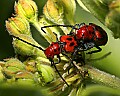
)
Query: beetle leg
[
  {"x": 76, "y": 26},
  {"x": 59, "y": 59},
  {"x": 52, "y": 63},
  {"x": 71, "y": 61},
  {"x": 81, "y": 24},
  {"x": 95, "y": 51},
  {"x": 100, "y": 58}
]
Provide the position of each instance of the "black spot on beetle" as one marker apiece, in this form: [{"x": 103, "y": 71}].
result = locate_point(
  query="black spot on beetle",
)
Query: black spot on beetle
[
  {"x": 69, "y": 39},
  {"x": 72, "y": 44},
  {"x": 55, "y": 50}
]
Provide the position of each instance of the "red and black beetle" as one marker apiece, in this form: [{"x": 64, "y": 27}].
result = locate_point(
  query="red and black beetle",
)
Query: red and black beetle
[
  {"x": 87, "y": 36},
  {"x": 90, "y": 36}
]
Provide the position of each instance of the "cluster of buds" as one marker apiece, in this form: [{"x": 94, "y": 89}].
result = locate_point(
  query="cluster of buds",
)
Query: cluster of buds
[
  {"x": 15, "y": 69},
  {"x": 38, "y": 68},
  {"x": 26, "y": 12},
  {"x": 20, "y": 27},
  {"x": 28, "y": 71}
]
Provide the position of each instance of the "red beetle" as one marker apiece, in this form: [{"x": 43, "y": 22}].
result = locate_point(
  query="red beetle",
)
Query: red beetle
[
  {"x": 91, "y": 33},
  {"x": 52, "y": 50},
  {"x": 89, "y": 36}
]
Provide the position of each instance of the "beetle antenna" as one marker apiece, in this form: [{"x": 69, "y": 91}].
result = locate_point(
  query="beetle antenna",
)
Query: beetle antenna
[
  {"x": 42, "y": 28},
  {"x": 28, "y": 43}
]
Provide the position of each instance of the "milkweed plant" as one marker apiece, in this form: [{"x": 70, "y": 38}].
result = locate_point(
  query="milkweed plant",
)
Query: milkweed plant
[{"x": 31, "y": 68}]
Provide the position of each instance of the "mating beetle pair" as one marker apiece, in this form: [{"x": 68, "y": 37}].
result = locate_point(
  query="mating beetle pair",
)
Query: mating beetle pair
[{"x": 82, "y": 37}]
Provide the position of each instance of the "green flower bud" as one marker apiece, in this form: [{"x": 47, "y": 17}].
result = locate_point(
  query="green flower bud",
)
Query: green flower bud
[
  {"x": 49, "y": 35},
  {"x": 30, "y": 65},
  {"x": 47, "y": 73},
  {"x": 18, "y": 25},
  {"x": 27, "y": 9},
  {"x": 53, "y": 11},
  {"x": 24, "y": 48},
  {"x": 10, "y": 71},
  {"x": 28, "y": 82},
  {"x": 112, "y": 22},
  {"x": 24, "y": 75},
  {"x": 69, "y": 7},
  {"x": 26, "y": 78},
  {"x": 13, "y": 62},
  {"x": 12, "y": 66}
]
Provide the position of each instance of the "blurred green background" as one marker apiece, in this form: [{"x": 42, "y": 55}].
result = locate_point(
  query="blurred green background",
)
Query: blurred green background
[
  {"x": 110, "y": 64},
  {"x": 6, "y": 9}
]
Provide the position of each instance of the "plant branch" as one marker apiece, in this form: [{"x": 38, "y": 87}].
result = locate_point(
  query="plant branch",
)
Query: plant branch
[{"x": 103, "y": 78}]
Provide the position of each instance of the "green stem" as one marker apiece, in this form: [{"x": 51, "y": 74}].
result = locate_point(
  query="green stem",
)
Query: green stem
[
  {"x": 97, "y": 88},
  {"x": 103, "y": 77},
  {"x": 38, "y": 27}
]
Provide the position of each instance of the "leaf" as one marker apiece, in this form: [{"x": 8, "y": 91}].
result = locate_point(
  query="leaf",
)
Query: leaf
[{"x": 107, "y": 11}]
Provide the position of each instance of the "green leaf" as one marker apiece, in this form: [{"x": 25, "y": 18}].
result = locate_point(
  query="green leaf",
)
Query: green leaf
[{"x": 107, "y": 11}]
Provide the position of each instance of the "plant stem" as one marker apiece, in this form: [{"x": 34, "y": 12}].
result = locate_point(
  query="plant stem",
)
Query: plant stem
[
  {"x": 38, "y": 27},
  {"x": 103, "y": 78}
]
